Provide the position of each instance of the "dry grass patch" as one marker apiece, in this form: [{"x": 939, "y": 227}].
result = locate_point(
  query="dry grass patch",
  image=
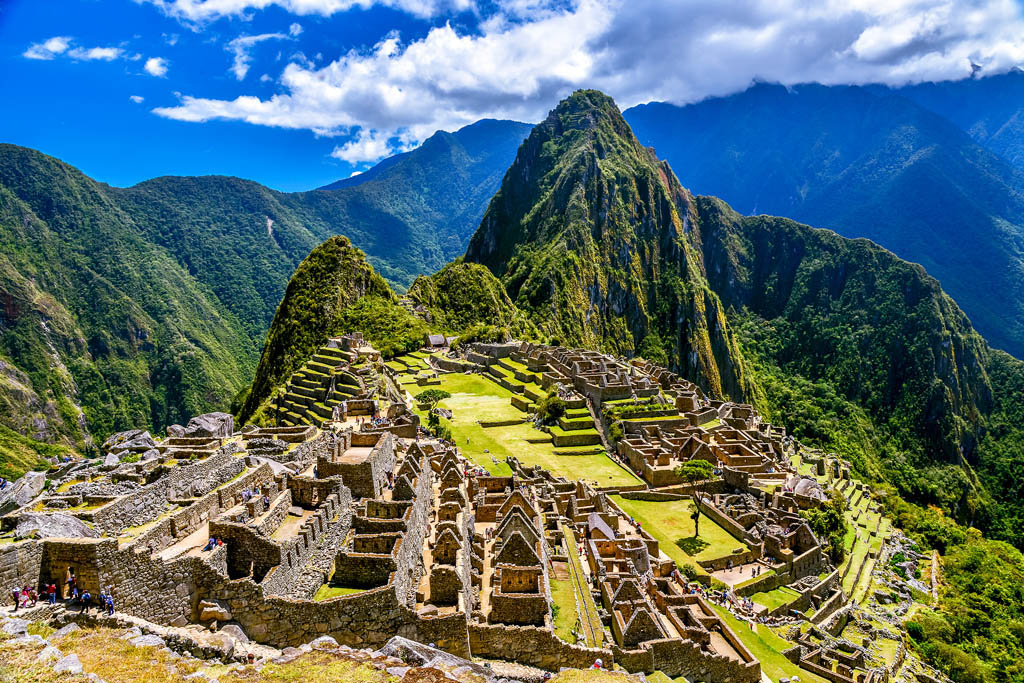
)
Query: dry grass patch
[
  {"x": 102, "y": 651},
  {"x": 315, "y": 666}
]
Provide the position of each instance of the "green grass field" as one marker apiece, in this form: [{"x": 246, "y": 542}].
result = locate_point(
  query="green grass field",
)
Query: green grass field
[
  {"x": 474, "y": 398},
  {"x": 775, "y": 598},
  {"x": 670, "y": 522},
  {"x": 564, "y": 597},
  {"x": 326, "y": 592}
]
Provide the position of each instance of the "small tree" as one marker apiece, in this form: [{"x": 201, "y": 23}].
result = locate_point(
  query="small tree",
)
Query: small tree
[
  {"x": 431, "y": 397},
  {"x": 698, "y": 473},
  {"x": 550, "y": 408}
]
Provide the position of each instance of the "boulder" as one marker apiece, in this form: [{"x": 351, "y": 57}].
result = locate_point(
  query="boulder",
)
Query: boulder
[
  {"x": 65, "y": 630},
  {"x": 120, "y": 438},
  {"x": 48, "y": 654},
  {"x": 54, "y": 525},
  {"x": 211, "y": 611},
  {"x": 142, "y": 442},
  {"x": 236, "y": 632},
  {"x": 217, "y": 425},
  {"x": 110, "y": 462},
  {"x": 151, "y": 454},
  {"x": 22, "y": 492},
  {"x": 324, "y": 643},
  {"x": 68, "y": 665},
  {"x": 417, "y": 654},
  {"x": 175, "y": 431},
  {"x": 149, "y": 640},
  {"x": 15, "y": 627}
]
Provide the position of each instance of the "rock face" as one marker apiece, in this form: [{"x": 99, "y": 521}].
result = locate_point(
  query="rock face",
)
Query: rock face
[
  {"x": 591, "y": 233},
  {"x": 211, "y": 611},
  {"x": 22, "y": 492},
  {"x": 56, "y": 525},
  {"x": 68, "y": 665},
  {"x": 175, "y": 431},
  {"x": 217, "y": 425}
]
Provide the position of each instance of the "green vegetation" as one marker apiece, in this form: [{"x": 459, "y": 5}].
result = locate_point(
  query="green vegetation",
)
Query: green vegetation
[
  {"x": 550, "y": 408},
  {"x": 563, "y": 609},
  {"x": 475, "y": 399},
  {"x": 776, "y": 598},
  {"x": 767, "y": 647},
  {"x": 829, "y": 523},
  {"x": 19, "y": 454},
  {"x": 327, "y": 591},
  {"x": 431, "y": 396},
  {"x": 697, "y": 473},
  {"x": 673, "y": 521},
  {"x": 568, "y": 258},
  {"x": 466, "y": 298},
  {"x": 978, "y": 636},
  {"x": 333, "y": 291}
]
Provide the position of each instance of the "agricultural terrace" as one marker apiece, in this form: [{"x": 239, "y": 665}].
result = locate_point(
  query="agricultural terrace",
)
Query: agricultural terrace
[{"x": 475, "y": 399}]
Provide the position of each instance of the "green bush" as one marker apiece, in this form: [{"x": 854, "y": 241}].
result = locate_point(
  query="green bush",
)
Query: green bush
[
  {"x": 550, "y": 408},
  {"x": 431, "y": 397}
]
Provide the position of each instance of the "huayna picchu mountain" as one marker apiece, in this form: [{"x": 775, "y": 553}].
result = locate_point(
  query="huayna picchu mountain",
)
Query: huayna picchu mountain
[
  {"x": 588, "y": 233},
  {"x": 600, "y": 245}
]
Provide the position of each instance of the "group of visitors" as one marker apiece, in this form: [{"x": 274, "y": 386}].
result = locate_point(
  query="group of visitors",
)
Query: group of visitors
[
  {"x": 3, "y": 483},
  {"x": 212, "y": 543},
  {"x": 27, "y": 596}
]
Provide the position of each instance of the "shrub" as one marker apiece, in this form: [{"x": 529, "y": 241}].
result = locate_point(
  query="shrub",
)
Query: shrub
[{"x": 550, "y": 408}]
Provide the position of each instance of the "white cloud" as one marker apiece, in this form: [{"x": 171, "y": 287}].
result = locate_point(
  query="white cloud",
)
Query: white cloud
[
  {"x": 367, "y": 145},
  {"x": 137, "y": 99},
  {"x": 517, "y": 65},
  {"x": 48, "y": 49},
  {"x": 156, "y": 66},
  {"x": 241, "y": 48},
  {"x": 105, "y": 54},
  {"x": 294, "y": 30},
  {"x": 203, "y": 11}
]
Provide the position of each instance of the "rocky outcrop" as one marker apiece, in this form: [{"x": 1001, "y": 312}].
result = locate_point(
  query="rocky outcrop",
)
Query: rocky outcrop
[
  {"x": 22, "y": 492},
  {"x": 55, "y": 525},
  {"x": 216, "y": 425}
]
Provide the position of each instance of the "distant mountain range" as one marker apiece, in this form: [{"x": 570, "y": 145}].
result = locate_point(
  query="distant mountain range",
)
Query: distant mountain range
[{"x": 869, "y": 162}]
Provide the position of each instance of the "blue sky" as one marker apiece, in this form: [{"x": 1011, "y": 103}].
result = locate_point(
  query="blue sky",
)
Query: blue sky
[{"x": 298, "y": 93}]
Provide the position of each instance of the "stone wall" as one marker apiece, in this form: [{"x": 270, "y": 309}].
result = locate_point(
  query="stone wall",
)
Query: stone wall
[
  {"x": 531, "y": 645},
  {"x": 20, "y": 563},
  {"x": 149, "y": 502}
]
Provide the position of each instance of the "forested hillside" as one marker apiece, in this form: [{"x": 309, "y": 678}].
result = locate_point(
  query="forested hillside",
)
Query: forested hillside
[{"x": 865, "y": 162}]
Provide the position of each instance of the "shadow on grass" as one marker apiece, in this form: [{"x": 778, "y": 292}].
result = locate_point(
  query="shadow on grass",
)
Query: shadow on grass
[{"x": 691, "y": 545}]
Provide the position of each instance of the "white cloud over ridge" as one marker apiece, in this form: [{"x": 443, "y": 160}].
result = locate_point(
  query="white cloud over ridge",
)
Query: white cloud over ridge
[{"x": 518, "y": 64}]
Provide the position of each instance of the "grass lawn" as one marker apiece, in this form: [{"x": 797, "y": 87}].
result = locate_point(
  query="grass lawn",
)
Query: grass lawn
[
  {"x": 670, "y": 522},
  {"x": 474, "y": 398},
  {"x": 563, "y": 596},
  {"x": 775, "y": 598},
  {"x": 326, "y": 592},
  {"x": 767, "y": 647}
]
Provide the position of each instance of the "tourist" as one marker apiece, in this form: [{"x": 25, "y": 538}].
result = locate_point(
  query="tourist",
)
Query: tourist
[
  {"x": 51, "y": 591},
  {"x": 86, "y": 600},
  {"x": 266, "y": 501},
  {"x": 211, "y": 544},
  {"x": 597, "y": 664},
  {"x": 15, "y": 593},
  {"x": 32, "y": 595},
  {"x": 109, "y": 603},
  {"x": 69, "y": 583},
  {"x": 3, "y": 483}
]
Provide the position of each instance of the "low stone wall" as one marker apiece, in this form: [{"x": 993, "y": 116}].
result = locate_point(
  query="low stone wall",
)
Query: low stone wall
[{"x": 531, "y": 645}]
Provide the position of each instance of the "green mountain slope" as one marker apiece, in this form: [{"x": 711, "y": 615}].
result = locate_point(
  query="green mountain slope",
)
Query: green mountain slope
[
  {"x": 468, "y": 295},
  {"x": 866, "y": 163},
  {"x": 588, "y": 235},
  {"x": 334, "y": 291},
  {"x": 106, "y": 331}
]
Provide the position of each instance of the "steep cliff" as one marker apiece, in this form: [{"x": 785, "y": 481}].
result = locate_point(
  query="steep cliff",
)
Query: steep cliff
[{"x": 588, "y": 233}]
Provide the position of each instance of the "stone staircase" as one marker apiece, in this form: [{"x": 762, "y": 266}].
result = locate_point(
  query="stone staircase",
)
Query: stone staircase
[{"x": 322, "y": 383}]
